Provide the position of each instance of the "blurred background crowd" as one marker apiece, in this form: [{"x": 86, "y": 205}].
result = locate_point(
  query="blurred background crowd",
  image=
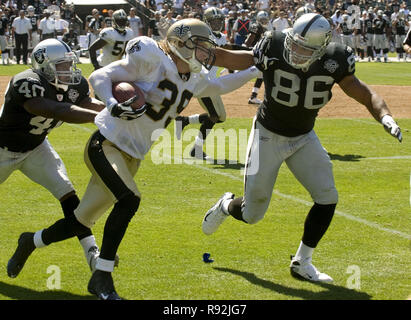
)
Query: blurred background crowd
[{"x": 80, "y": 22}]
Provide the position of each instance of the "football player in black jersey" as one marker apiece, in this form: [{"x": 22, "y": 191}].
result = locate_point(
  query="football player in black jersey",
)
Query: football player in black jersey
[
  {"x": 38, "y": 100},
  {"x": 257, "y": 30},
  {"x": 299, "y": 69}
]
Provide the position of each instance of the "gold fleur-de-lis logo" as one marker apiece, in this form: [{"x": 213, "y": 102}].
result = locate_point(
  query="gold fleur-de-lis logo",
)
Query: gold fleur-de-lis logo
[{"x": 181, "y": 30}]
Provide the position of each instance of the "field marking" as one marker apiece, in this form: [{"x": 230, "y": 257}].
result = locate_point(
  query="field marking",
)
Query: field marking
[
  {"x": 290, "y": 197},
  {"x": 302, "y": 201}
]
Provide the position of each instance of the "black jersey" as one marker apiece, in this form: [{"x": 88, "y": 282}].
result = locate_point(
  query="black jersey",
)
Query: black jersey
[
  {"x": 346, "y": 30},
  {"x": 21, "y": 131},
  {"x": 293, "y": 97},
  {"x": 380, "y": 25},
  {"x": 258, "y": 30},
  {"x": 400, "y": 27},
  {"x": 33, "y": 20},
  {"x": 369, "y": 27},
  {"x": 3, "y": 25}
]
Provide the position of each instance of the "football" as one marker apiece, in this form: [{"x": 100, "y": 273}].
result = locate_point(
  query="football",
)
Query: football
[{"x": 122, "y": 91}]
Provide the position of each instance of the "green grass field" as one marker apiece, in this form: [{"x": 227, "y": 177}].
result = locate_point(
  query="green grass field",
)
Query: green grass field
[{"x": 366, "y": 250}]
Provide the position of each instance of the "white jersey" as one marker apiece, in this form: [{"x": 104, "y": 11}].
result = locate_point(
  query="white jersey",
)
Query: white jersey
[
  {"x": 355, "y": 13},
  {"x": 166, "y": 94},
  {"x": 116, "y": 44}
]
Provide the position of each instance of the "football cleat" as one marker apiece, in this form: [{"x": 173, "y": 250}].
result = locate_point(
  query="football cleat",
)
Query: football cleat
[
  {"x": 215, "y": 216},
  {"x": 198, "y": 153},
  {"x": 101, "y": 285},
  {"x": 24, "y": 249},
  {"x": 305, "y": 270},
  {"x": 254, "y": 101},
  {"x": 92, "y": 255},
  {"x": 180, "y": 123}
]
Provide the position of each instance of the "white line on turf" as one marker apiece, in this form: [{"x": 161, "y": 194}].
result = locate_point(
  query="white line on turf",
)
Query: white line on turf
[{"x": 290, "y": 197}]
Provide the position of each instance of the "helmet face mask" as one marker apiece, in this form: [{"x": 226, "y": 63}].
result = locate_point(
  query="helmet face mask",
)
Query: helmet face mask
[
  {"x": 55, "y": 61},
  {"x": 190, "y": 40},
  {"x": 120, "y": 20},
  {"x": 214, "y": 17},
  {"x": 306, "y": 41}
]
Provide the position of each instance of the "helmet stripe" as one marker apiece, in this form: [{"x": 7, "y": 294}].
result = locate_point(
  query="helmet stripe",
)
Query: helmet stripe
[{"x": 309, "y": 24}]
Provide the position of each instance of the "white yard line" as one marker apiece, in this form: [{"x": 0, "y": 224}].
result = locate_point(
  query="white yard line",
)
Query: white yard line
[{"x": 293, "y": 198}]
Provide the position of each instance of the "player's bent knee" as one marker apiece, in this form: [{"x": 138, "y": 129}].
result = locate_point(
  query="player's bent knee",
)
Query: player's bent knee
[
  {"x": 329, "y": 196},
  {"x": 129, "y": 204}
]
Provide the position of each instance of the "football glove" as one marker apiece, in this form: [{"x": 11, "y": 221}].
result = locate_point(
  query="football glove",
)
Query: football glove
[
  {"x": 262, "y": 62},
  {"x": 391, "y": 127},
  {"x": 125, "y": 111}
]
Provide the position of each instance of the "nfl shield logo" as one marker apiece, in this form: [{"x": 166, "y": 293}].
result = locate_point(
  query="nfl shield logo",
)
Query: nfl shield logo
[{"x": 60, "y": 97}]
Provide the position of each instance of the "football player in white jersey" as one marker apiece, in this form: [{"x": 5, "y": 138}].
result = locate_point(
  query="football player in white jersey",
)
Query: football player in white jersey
[
  {"x": 113, "y": 40},
  {"x": 170, "y": 73}
]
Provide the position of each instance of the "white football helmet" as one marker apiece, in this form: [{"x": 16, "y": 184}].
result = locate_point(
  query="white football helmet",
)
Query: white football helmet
[
  {"x": 192, "y": 41},
  {"x": 307, "y": 40},
  {"x": 30, "y": 11},
  {"x": 55, "y": 61}
]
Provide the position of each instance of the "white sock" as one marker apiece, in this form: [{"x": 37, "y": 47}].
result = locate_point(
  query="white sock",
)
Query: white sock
[
  {"x": 38, "y": 241},
  {"x": 87, "y": 243},
  {"x": 255, "y": 90},
  {"x": 199, "y": 142},
  {"x": 304, "y": 252},
  {"x": 225, "y": 205},
  {"x": 105, "y": 265},
  {"x": 195, "y": 118}
]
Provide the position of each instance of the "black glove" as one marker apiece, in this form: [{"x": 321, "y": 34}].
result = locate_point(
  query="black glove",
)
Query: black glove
[
  {"x": 261, "y": 60},
  {"x": 125, "y": 111}
]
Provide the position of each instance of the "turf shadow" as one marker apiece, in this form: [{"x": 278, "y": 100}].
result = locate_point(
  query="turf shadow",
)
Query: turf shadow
[
  {"x": 346, "y": 157},
  {"x": 333, "y": 292},
  {"x": 22, "y": 293}
]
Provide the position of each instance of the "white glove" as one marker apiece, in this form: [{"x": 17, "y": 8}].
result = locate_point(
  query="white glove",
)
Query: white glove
[{"x": 391, "y": 127}]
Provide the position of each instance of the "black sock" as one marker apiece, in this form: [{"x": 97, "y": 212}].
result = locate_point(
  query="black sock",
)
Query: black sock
[
  {"x": 63, "y": 229},
  {"x": 116, "y": 225},
  {"x": 69, "y": 205},
  {"x": 234, "y": 209},
  {"x": 317, "y": 223},
  {"x": 206, "y": 126}
]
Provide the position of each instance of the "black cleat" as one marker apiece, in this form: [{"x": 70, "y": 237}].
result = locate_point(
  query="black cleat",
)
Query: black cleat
[
  {"x": 24, "y": 249},
  {"x": 102, "y": 286}
]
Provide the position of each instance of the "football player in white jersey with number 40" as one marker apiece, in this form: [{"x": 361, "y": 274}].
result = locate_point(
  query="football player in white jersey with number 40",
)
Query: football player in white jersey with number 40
[{"x": 170, "y": 73}]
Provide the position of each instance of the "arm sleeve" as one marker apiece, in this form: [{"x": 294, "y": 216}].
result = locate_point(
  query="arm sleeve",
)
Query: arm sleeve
[{"x": 227, "y": 83}]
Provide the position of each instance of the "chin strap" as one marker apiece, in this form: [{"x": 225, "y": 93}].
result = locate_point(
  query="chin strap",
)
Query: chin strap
[{"x": 194, "y": 65}]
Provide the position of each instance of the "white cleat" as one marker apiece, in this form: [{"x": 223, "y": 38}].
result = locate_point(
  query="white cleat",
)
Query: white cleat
[
  {"x": 305, "y": 270},
  {"x": 254, "y": 101},
  {"x": 215, "y": 216}
]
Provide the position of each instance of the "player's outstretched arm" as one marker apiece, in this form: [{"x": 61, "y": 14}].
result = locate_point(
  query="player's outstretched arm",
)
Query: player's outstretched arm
[
  {"x": 92, "y": 104},
  {"x": 96, "y": 45},
  {"x": 361, "y": 92},
  {"x": 230, "y": 82},
  {"x": 233, "y": 60},
  {"x": 62, "y": 111}
]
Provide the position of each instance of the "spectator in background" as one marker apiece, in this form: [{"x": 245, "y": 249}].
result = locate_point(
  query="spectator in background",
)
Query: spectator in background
[
  {"x": 61, "y": 26},
  {"x": 108, "y": 21},
  {"x": 21, "y": 29},
  {"x": 46, "y": 26},
  {"x": 178, "y": 7},
  {"x": 281, "y": 23},
  {"x": 241, "y": 28},
  {"x": 153, "y": 31},
  {"x": 4, "y": 21},
  {"x": 71, "y": 38},
  {"x": 135, "y": 23},
  {"x": 95, "y": 26}
]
